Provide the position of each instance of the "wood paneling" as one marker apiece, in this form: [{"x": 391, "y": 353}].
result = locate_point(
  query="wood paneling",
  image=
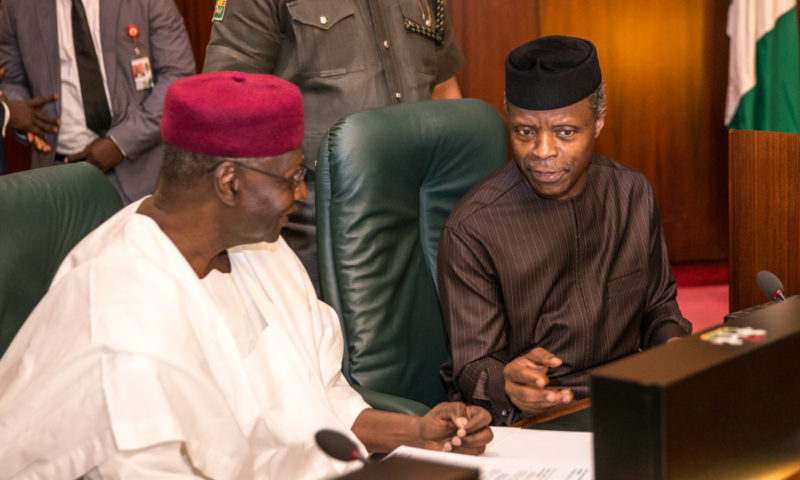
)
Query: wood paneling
[
  {"x": 665, "y": 68},
  {"x": 18, "y": 156},
  {"x": 764, "y": 212},
  {"x": 486, "y": 30},
  {"x": 197, "y": 17}
]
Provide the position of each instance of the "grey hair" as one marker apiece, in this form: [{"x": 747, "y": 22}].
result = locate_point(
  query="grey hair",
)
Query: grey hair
[
  {"x": 598, "y": 100},
  {"x": 182, "y": 166}
]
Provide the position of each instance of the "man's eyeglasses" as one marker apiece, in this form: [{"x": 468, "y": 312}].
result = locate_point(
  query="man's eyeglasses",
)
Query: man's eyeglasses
[{"x": 295, "y": 179}]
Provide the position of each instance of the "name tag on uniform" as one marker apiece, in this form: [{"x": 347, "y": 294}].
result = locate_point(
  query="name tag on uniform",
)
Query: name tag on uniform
[
  {"x": 219, "y": 10},
  {"x": 142, "y": 73}
]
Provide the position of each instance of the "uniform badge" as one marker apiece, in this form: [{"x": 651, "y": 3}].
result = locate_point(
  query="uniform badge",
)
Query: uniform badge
[
  {"x": 219, "y": 10},
  {"x": 427, "y": 31}
]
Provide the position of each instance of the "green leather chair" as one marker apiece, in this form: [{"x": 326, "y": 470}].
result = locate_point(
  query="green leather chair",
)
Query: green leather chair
[
  {"x": 43, "y": 213},
  {"x": 386, "y": 181}
]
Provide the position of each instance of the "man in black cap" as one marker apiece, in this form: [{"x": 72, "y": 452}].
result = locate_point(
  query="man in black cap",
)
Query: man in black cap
[{"x": 556, "y": 263}]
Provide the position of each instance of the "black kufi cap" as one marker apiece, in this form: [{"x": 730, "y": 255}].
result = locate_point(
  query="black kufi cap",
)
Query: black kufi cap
[{"x": 551, "y": 72}]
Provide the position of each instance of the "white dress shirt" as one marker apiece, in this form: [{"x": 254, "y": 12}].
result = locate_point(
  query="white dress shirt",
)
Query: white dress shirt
[{"x": 73, "y": 134}]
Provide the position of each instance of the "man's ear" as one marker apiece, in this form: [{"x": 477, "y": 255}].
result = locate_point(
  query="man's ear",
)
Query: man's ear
[
  {"x": 599, "y": 123},
  {"x": 226, "y": 183}
]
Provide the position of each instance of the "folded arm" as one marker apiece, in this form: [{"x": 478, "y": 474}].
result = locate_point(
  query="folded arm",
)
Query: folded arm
[
  {"x": 662, "y": 321},
  {"x": 475, "y": 322}
]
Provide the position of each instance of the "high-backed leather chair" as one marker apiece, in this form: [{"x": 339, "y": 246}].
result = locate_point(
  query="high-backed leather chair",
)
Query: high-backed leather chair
[
  {"x": 386, "y": 181},
  {"x": 43, "y": 213}
]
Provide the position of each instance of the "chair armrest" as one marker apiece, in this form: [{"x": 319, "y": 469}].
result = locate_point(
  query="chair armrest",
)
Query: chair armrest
[{"x": 392, "y": 403}]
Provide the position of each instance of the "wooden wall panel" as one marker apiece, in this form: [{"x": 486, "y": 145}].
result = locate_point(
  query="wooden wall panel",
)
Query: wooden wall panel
[
  {"x": 197, "y": 16},
  {"x": 486, "y": 30},
  {"x": 18, "y": 156},
  {"x": 665, "y": 66},
  {"x": 765, "y": 213}
]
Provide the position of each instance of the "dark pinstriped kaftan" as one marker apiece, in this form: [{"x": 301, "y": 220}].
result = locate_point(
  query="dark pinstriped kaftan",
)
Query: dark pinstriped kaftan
[{"x": 586, "y": 278}]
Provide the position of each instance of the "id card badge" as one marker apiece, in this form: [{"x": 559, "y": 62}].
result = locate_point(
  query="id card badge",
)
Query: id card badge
[{"x": 142, "y": 73}]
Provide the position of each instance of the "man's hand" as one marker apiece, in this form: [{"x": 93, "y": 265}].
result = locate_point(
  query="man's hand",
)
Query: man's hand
[
  {"x": 453, "y": 426},
  {"x": 526, "y": 381},
  {"x": 103, "y": 153},
  {"x": 27, "y": 117},
  {"x": 38, "y": 143}
]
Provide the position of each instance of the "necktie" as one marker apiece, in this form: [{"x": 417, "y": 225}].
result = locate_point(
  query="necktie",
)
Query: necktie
[{"x": 95, "y": 104}]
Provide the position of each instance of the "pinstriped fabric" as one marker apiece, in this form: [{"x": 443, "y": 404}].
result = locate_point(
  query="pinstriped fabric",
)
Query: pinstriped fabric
[{"x": 586, "y": 278}]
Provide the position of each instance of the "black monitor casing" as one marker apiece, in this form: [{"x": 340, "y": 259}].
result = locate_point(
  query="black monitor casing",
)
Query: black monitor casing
[{"x": 694, "y": 410}]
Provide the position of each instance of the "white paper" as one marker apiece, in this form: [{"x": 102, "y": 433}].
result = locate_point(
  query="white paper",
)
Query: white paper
[
  {"x": 520, "y": 454},
  {"x": 545, "y": 446}
]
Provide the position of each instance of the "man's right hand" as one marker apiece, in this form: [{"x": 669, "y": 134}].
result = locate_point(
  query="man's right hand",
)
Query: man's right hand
[
  {"x": 526, "y": 382},
  {"x": 38, "y": 143},
  {"x": 453, "y": 426}
]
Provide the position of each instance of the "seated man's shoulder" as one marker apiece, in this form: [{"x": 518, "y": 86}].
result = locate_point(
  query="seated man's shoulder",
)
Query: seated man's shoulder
[
  {"x": 620, "y": 174},
  {"x": 127, "y": 244},
  {"x": 484, "y": 195}
]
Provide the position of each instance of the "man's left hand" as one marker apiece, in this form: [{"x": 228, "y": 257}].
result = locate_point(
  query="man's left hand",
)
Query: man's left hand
[
  {"x": 453, "y": 426},
  {"x": 103, "y": 153}
]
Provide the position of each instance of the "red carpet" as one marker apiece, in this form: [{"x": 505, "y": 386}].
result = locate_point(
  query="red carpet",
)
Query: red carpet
[{"x": 702, "y": 293}]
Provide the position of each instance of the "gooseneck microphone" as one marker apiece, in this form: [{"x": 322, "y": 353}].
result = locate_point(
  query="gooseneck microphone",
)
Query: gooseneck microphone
[
  {"x": 339, "y": 446},
  {"x": 770, "y": 285}
]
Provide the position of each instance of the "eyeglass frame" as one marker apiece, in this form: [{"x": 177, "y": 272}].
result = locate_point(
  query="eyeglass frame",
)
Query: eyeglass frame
[{"x": 297, "y": 179}]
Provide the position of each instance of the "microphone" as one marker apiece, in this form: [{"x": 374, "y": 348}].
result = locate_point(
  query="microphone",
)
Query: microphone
[
  {"x": 770, "y": 285},
  {"x": 339, "y": 446}
]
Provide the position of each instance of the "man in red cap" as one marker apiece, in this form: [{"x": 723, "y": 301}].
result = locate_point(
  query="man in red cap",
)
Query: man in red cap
[{"x": 183, "y": 338}]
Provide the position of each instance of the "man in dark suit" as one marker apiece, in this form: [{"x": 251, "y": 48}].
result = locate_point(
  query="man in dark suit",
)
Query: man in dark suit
[{"x": 87, "y": 52}]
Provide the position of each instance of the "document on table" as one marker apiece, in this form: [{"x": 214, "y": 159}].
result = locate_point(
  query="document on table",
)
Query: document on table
[{"x": 521, "y": 454}]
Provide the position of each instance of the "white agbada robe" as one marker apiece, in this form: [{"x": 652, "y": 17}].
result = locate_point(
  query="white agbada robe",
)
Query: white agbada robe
[{"x": 128, "y": 351}]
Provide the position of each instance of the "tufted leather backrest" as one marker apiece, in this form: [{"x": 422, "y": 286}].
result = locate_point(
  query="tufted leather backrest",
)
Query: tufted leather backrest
[
  {"x": 386, "y": 180},
  {"x": 43, "y": 214}
]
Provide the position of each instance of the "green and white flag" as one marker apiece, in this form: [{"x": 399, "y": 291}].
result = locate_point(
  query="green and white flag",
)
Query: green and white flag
[{"x": 764, "y": 70}]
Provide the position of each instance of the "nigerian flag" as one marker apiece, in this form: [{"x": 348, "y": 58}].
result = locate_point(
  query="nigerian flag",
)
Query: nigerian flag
[{"x": 764, "y": 70}]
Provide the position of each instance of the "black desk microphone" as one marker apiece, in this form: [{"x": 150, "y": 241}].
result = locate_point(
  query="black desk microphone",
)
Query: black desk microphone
[
  {"x": 339, "y": 446},
  {"x": 770, "y": 285}
]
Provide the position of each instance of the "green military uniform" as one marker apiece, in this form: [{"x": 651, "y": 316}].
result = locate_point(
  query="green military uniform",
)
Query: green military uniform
[{"x": 345, "y": 55}]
